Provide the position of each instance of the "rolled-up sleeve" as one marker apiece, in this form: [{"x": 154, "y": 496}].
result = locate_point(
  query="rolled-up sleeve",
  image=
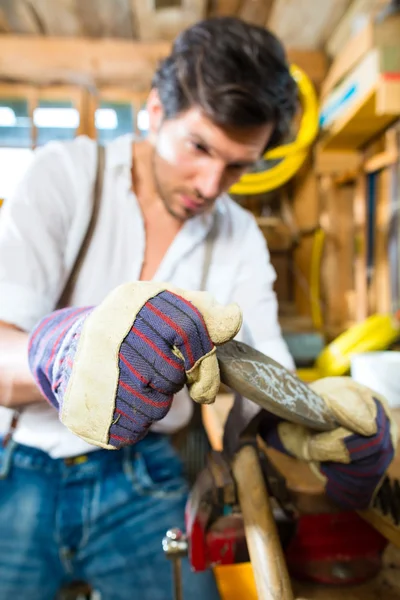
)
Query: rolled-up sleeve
[{"x": 34, "y": 225}]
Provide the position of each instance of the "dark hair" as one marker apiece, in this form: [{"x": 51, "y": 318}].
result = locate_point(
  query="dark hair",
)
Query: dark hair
[{"x": 236, "y": 72}]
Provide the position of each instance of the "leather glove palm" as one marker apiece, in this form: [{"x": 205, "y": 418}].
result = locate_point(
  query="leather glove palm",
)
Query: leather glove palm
[
  {"x": 111, "y": 371},
  {"x": 353, "y": 458}
]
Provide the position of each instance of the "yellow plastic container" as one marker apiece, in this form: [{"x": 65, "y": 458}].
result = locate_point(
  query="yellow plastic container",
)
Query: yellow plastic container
[
  {"x": 376, "y": 333},
  {"x": 236, "y": 582}
]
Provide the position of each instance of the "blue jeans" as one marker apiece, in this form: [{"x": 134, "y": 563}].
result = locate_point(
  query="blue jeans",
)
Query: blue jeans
[{"x": 100, "y": 519}]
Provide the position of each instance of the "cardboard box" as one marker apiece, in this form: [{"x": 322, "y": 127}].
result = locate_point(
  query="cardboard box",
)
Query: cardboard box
[
  {"x": 364, "y": 103},
  {"x": 373, "y": 35}
]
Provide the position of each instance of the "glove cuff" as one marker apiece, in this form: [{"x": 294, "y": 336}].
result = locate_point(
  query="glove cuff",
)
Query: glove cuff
[{"x": 87, "y": 407}]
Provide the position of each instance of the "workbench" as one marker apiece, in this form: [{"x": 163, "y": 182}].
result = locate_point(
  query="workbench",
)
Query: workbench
[{"x": 236, "y": 580}]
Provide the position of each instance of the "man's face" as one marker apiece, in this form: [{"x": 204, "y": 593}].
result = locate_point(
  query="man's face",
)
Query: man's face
[{"x": 195, "y": 161}]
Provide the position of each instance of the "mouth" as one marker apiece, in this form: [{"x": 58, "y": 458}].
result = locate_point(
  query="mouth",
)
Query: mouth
[{"x": 192, "y": 204}]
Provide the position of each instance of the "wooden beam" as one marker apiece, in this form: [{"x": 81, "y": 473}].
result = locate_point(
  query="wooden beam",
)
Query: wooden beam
[
  {"x": 360, "y": 250},
  {"x": 380, "y": 284},
  {"x": 223, "y": 8},
  {"x": 255, "y": 11},
  {"x": 43, "y": 17},
  {"x": 166, "y": 23},
  {"x": 337, "y": 264},
  {"x": 91, "y": 18},
  {"x": 79, "y": 60},
  {"x": 105, "y": 18},
  {"x": 103, "y": 62},
  {"x": 305, "y": 24},
  {"x": 355, "y": 17},
  {"x": 306, "y": 215}
]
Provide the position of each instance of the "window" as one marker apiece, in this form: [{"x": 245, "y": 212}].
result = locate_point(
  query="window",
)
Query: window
[
  {"x": 142, "y": 122},
  {"x": 55, "y": 120},
  {"x": 113, "y": 119},
  {"x": 15, "y": 123}
]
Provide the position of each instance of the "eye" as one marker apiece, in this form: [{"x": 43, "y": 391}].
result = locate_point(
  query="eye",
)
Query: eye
[
  {"x": 237, "y": 167},
  {"x": 199, "y": 147}
]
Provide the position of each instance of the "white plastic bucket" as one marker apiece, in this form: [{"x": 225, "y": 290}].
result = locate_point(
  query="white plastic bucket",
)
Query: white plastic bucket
[{"x": 380, "y": 371}]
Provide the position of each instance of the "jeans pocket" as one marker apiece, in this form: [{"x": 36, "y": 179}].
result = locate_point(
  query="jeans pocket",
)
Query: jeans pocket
[{"x": 160, "y": 476}]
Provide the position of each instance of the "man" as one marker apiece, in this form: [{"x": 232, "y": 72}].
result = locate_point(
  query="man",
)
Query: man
[{"x": 70, "y": 510}]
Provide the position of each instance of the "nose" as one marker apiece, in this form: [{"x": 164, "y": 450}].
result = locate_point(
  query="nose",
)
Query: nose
[{"x": 210, "y": 182}]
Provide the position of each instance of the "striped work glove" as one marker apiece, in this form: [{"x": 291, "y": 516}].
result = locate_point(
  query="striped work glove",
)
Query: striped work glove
[
  {"x": 352, "y": 459},
  {"x": 111, "y": 371}
]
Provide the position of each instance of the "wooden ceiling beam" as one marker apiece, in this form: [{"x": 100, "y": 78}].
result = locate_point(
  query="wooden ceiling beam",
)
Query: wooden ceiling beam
[
  {"x": 92, "y": 62},
  {"x": 166, "y": 23},
  {"x": 224, "y": 8},
  {"x": 79, "y": 61},
  {"x": 91, "y": 18},
  {"x": 305, "y": 24}
]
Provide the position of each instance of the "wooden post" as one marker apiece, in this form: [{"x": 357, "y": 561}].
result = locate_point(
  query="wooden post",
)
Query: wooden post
[
  {"x": 381, "y": 277},
  {"x": 337, "y": 269},
  {"x": 360, "y": 250},
  {"x": 266, "y": 554}
]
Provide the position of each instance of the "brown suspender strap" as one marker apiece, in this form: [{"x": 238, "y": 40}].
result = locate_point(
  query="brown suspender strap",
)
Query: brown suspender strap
[
  {"x": 97, "y": 193},
  {"x": 208, "y": 253},
  {"x": 71, "y": 281}
]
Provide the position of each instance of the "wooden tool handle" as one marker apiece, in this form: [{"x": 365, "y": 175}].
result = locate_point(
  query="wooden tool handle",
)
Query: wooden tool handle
[{"x": 266, "y": 554}]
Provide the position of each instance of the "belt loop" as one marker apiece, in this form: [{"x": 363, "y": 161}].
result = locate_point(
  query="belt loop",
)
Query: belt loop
[{"x": 6, "y": 458}]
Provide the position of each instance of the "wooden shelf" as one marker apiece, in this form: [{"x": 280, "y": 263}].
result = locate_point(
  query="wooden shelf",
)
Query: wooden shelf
[
  {"x": 364, "y": 104},
  {"x": 358, "y": 126}
]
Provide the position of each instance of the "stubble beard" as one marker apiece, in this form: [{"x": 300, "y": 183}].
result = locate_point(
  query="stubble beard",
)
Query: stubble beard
[{"x": 180, "y": 217}]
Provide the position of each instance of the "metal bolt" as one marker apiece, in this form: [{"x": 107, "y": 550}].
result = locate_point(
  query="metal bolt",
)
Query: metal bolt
[
  {"x": 175, "y": 547},
  {"x": 175, "y": 543}
]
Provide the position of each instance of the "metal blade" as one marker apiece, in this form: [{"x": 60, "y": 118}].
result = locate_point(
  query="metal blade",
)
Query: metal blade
[{"x": 273, "y": 387}]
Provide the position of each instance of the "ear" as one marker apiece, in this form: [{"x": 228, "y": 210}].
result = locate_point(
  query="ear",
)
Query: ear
[{"x": 155, "y": 111}]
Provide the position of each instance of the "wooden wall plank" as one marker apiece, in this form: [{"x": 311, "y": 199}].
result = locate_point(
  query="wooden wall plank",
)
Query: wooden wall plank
[
  {"x": 306, "y": 214},
  {"x": 337, "y": 265},
  {"x": 93, "y": 62},
  {"x": 360, "y": 250},
  {"x": 380, "y": 285},
  {"x": 256, "y": 11},
  {"x": 305, "y": 24}
]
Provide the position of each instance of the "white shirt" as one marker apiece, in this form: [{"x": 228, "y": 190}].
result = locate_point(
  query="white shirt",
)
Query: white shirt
[{"x": 41, "y": 230}]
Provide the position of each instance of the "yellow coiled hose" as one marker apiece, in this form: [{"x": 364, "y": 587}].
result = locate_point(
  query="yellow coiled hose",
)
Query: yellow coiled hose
[{"x": 293, "y": 154}]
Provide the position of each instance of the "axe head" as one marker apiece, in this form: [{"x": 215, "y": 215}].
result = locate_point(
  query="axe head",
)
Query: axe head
[{"x": 273, "y": 387}]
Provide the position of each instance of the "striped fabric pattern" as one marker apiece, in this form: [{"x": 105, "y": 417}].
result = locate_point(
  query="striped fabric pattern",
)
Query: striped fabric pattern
[
  {"x": 51, "y": 350},
  {"x": 167, "y": 338},
  {"x": 150, "y": 371},
  {"x": 352, "y": 485}
]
